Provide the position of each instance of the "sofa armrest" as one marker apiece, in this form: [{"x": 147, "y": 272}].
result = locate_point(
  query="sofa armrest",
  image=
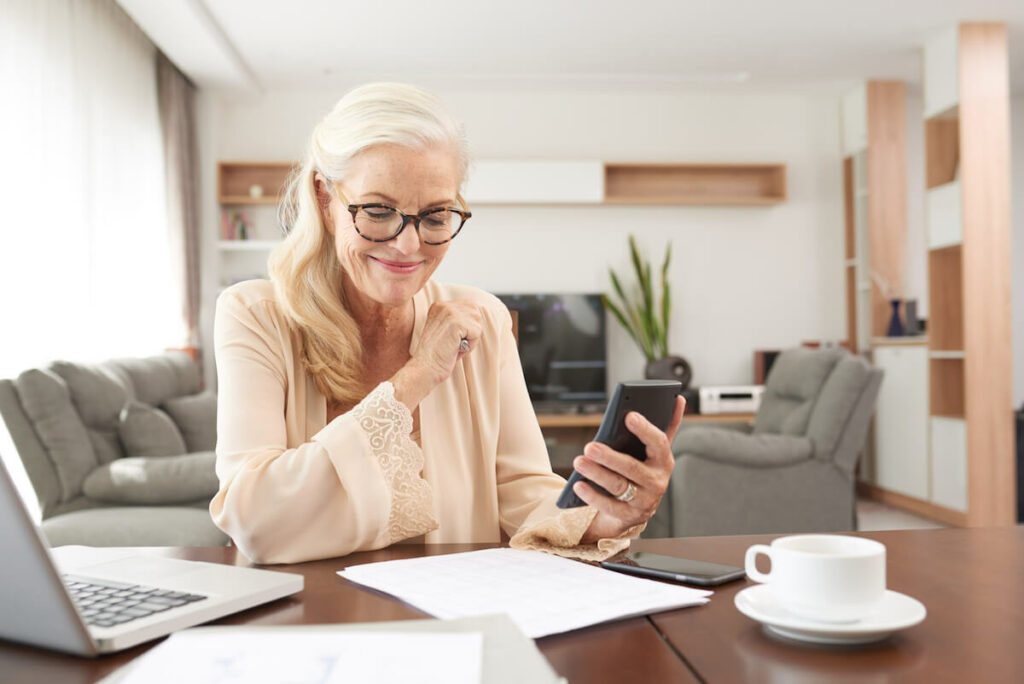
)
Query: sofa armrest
[{"x": 736, "y": 448}]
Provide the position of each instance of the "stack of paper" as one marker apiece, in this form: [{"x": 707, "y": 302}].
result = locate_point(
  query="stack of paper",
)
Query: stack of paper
[
  {"x": 542, "y": 593},
  {"x": 488, "y": 649}
]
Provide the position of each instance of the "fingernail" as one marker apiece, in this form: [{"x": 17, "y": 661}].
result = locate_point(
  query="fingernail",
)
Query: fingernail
[{"x": 633, "y": 418}]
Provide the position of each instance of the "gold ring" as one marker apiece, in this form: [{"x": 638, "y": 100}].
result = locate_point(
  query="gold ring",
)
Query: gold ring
[{"x": 629, "y": 494}]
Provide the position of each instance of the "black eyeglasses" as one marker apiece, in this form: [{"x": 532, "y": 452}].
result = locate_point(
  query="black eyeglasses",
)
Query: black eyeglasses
[{"x": 381, "y": 223}]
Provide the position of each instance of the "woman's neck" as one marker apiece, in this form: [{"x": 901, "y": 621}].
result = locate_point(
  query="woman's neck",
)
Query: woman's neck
[{"x": 379, "y": 325}]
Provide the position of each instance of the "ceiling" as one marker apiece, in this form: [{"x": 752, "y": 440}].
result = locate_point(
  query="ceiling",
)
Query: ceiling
[{"x": 254, "y": 46}]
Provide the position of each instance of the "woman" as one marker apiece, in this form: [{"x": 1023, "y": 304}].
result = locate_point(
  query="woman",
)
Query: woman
[{"x": 363, "y": 404}]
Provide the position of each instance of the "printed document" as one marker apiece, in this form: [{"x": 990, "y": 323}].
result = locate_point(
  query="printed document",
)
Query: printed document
[
  {"x": 542, "y": 593},
  {"x": 249, "y": 656}
]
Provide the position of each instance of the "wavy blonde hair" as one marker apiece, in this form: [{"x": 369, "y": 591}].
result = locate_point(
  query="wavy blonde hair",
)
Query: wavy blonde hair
[{"x": 304, "y": 268}]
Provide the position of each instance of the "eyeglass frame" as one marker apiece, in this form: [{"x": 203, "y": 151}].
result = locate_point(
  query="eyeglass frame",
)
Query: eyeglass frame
[{"x": 415, "y": 219}]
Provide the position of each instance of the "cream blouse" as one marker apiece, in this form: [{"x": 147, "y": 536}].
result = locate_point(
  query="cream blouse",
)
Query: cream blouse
[{"x": 295, "y": 488}]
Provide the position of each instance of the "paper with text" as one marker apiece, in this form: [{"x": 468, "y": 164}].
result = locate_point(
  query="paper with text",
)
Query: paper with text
[
  {"x": 252, "y": 656},
  {"x": 542, "y": 593}
]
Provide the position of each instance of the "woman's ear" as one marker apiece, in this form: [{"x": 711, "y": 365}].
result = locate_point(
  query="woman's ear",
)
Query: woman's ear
[{"x": 323, "y": 200}]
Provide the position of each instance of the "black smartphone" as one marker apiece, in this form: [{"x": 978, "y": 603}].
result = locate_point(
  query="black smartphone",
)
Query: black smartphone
[
  {"x": 653, "y": 399},
  {"x": 675, "y": 569}
]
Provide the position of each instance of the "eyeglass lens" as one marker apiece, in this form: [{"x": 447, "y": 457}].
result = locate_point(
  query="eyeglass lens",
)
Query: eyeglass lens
[{"x": 381, "y": 223}]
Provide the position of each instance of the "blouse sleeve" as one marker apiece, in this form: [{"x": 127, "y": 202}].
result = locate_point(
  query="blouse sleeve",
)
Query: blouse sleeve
[
  {"x": 354, "y": 486},
  {"x": 527, "y": 488}
]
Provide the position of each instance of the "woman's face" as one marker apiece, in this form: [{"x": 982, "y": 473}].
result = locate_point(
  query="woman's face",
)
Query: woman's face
[{"x": 411, "y": 180}]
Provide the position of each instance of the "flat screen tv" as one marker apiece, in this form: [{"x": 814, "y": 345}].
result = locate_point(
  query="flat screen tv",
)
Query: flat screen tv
[{"x": 562, "y": 349}]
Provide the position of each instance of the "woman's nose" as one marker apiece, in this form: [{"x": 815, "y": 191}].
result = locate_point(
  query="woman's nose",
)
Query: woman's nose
[{"x": 408, "y": 241}]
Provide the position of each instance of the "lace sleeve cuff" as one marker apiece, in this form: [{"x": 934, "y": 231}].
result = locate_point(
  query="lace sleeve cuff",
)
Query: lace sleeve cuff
[
  {"x": 387, "y": 424},
  {"x": 561, "y": 536}
]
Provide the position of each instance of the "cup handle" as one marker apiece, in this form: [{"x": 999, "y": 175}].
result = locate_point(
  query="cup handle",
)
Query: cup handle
[{"x": 750, "y": 563}]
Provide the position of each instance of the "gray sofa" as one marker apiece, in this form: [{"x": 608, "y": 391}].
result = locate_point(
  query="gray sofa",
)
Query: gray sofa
[
  {"x": 793, "y": 470},
  {"x": 119, "y": 453}
]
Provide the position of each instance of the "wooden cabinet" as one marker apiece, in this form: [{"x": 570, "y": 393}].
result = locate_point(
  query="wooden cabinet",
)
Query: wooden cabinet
[
  {"x": 642, "y": 183},
  {"x": 535, "y": 182}
]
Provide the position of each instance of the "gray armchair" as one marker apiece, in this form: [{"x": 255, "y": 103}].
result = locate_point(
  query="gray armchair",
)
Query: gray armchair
[
  {"x": 793, "y": 470},
  {"x": 119, "y": 454}
]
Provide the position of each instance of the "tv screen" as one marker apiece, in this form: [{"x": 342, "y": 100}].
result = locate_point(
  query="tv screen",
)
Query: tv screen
[{"x": 562, "y": 349}]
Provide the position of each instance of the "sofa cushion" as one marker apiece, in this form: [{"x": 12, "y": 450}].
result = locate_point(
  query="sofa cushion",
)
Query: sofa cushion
[
  {"x": 196, "y": 417},
  {"x": 156, "y": 379},
  {"x": 149, "y": 432},
  {"x": 135, "y": 526},
  {"x": 155, "y": 480},
  {"x": 47, "y": 403},
  {"x": 98, "y": 397}
]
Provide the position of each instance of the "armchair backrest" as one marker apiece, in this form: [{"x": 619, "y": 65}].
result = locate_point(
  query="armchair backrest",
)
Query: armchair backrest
[
  {"x": 827, "y": 395},
  {"x": 792, "y": 389}
]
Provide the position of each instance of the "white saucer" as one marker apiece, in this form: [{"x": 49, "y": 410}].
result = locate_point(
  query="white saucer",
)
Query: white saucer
[{"x": 896, "y": 612}]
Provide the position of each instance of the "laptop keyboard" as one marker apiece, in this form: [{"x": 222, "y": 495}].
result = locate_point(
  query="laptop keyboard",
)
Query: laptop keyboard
[{"x": 105, "y": 603}]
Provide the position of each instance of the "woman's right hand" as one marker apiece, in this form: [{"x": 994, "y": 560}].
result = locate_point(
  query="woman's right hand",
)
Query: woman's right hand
[{"x": 439, "y": 348}]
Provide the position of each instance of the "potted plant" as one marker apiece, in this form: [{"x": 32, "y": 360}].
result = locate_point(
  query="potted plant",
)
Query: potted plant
[{"x": 647, "y": 320}]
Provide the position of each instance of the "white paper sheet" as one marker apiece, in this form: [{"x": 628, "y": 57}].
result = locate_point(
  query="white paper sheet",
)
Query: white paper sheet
[
  {"x": 253, "y": 656},
  {"x": 542, "y": 593}
]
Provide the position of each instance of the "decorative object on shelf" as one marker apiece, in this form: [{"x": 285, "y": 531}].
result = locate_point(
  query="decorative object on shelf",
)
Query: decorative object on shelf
[
  {"x": 911, "y": 323},
  {"x": 646, "y": 321},
  {"x": 895, "y": 324},
  {"x": 235, "y": 225},
  {"x": 255, "y": 191}
]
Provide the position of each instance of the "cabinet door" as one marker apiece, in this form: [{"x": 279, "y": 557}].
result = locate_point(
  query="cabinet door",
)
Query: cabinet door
[
  {"x": 553, "y": 182},
  {"x": 949, "y": 462},
  {"x": 901, "y": 420}
]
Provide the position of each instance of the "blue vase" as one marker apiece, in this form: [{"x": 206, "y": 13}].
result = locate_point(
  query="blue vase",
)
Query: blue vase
[{"x": 895, "y": 324}]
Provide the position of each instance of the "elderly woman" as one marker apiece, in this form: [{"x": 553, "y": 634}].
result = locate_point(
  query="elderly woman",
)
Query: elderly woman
[{"x": 362, "y": 403}]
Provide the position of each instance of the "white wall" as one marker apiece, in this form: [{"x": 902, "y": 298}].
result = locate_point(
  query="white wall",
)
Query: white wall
[{"x": 743, "y": 278}]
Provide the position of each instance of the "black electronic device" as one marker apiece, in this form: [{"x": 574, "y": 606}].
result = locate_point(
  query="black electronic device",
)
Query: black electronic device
[
  {"x": 675, "y": 569},
  {"x": 562, "y": 350},
  {"x": 653, "y": 399}
]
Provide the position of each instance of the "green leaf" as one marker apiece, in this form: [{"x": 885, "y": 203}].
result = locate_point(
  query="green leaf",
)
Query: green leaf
[
  {"x": 666, "y": 308},
  {"x": 610, "y": 305}
]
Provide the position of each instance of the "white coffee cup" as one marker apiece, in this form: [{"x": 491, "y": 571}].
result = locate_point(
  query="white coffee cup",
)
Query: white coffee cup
[{"x": 823, "y": 577}]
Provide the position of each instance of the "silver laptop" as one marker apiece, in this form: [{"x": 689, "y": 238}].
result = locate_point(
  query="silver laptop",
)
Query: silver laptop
[{"x": 89, "y": 601}]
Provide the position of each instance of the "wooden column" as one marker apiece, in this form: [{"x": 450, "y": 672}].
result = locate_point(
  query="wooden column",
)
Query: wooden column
[{"x": 985, "y": 179}]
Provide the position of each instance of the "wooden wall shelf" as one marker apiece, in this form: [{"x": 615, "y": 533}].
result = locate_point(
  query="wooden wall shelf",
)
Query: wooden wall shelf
[
  {"x": 699, "y": 184},
  {"x": 945, "y": 293},
  {"x": 947, "y": 387},
  {"x": 942, "y": 148},
  {"x": 234, "y": 179}
]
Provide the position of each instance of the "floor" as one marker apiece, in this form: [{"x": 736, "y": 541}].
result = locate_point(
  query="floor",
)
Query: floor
[{"x": 872, "y": 515}]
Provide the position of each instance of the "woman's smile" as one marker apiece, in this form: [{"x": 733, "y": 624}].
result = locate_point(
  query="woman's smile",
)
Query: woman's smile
[{"x": 396, "y": 266}]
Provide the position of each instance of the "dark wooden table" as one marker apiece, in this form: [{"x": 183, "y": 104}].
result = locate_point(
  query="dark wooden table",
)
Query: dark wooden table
[{"x": 971, "y": 581}]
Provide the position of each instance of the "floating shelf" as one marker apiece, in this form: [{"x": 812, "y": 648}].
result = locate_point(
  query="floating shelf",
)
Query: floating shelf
[
  {"x": 695, "y": 184},
  {"x": 235, "y": 180}
]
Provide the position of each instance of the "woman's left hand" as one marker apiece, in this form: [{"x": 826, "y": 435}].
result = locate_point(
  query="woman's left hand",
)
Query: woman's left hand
[{"x": 616, "y": 471}]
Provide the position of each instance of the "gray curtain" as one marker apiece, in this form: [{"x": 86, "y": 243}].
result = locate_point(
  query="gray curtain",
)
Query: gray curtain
[{"x": 177, "y": 118}]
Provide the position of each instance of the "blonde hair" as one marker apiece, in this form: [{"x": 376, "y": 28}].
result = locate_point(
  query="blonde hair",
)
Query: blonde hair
[{"x": 304, "y": 268}]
